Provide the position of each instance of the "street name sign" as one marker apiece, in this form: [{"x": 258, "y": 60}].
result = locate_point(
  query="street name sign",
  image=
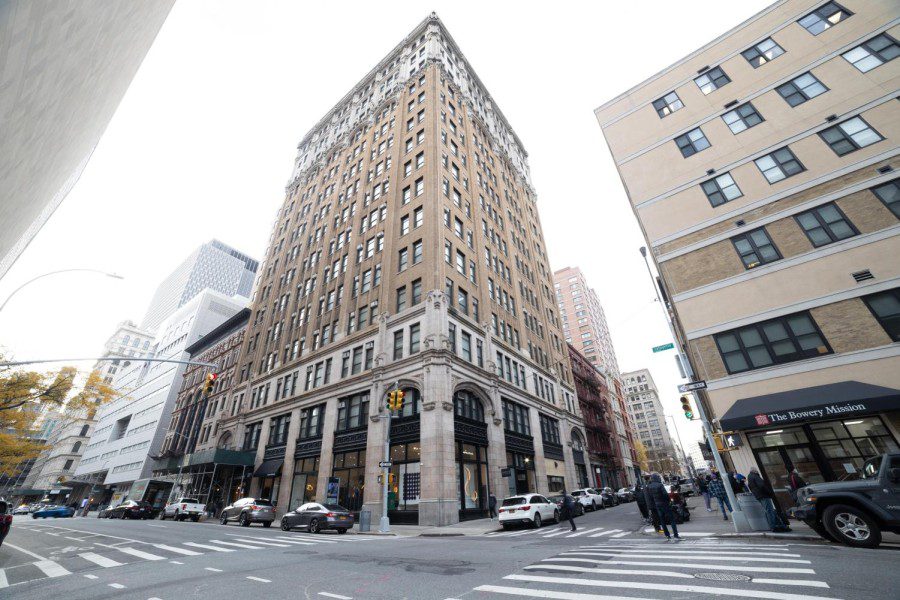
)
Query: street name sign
[
  {"x": 385, "y": 464},
  {"x": 664, "y": 347},
  {"x": 690, "y": 387}
]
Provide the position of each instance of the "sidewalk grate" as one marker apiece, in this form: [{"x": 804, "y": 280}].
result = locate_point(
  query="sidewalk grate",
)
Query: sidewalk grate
[{"x": 722, "y": 576}]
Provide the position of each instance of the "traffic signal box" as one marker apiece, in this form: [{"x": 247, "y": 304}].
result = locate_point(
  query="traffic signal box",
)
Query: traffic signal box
[
  {"x": 210, "y": 381},
  {"x": 686, "y": 407},
  {"x": 395, "y": 400}
]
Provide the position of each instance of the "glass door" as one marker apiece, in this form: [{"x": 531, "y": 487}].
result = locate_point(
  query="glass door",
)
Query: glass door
[{"x": 777, "y": 464}]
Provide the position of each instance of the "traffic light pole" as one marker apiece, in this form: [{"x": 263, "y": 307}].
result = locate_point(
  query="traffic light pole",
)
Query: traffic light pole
[
  {"x": 741, "y": 524},
  {"x": 385, "y": 524}
]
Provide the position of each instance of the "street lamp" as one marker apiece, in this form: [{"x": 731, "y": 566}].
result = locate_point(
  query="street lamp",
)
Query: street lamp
[{"x": 30, "y": 281}]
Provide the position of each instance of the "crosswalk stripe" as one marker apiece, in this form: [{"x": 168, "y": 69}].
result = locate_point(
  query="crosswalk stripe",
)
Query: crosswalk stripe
[
  {"x": 669, "y": 587},
  {"x": 693, "y": 552},
  {"x": 556, "y": 533},
  {"x": 611, "y": 531},
  {"x": 141, "y": 554},
  {"x": 52, "y": 569},
  {"x": 584, "y": 531},
  {"x": 742, "y": 568},
  {"x": 100, "y": 560},
  {"x": 688, "y": 556},
  {"x": 618, "y": 535},
  {"x": 213, "y": 548},
  {"x": 803, "y": 582},
  {"x": 248, "y": 546},
  {"x": 305, "y": 539},
  {"x": 533, "y": 593},
  {"x": 4, "y": 582},
  {"x": 257, "y": 541},
  {"x": 177, "y": 550}
]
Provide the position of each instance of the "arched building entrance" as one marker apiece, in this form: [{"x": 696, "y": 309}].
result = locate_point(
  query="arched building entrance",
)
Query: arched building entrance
[{"x": 471, "y": 443}]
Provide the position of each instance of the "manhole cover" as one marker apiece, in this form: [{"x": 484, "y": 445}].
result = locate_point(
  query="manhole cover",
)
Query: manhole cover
[{"x": 722, "y": 576}]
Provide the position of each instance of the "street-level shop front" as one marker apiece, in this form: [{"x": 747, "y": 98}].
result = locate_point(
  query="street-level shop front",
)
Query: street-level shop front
[{"x": 825, "y": 432}]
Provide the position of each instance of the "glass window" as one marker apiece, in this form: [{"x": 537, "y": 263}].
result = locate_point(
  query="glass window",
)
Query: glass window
[
  {"x": 886, "y": 308},
  {"x": 467, "y": 406},
  {"x": 755, "y": 248},
  {"x": 721, "y": 189},
  {"x": 668, "y": 104},
  {"x": 880, "y": 49},
  {"x": 692, "y": 142},
  {"x": 762, "y": 53},
  {"x": 398, "y": 344},
  {"x": 889, "y": 193},
  {"x": 825, "y": 224},
  {"x": 830, "y": 13},
  {"x": 800, "y": 89},
  {"x": 779, "y": 165},
  {"x": 352, "y": 412},
  {"x": 850, "y": 136},
  {"x": 414, "y": 338},
  {"x": 712, "y": 80},
  {"x": 416, "y": 291},
  {"x": 777, "y": 437},
  {"x": 743, "y": 117},
  {"x": 781, "y": 340}
]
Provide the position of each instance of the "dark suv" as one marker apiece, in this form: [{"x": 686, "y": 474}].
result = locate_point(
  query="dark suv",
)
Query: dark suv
[{"x": 855, "y": 512}]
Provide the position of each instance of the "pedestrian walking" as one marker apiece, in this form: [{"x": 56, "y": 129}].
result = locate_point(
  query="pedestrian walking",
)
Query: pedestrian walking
[
  {"x": 660, "y": 498},
  {"x": 568, "y": 509},
  {"x": 736, "y": 481},
  {"x": 651, "y": 506},
  {"x": 765, "y": 495},
  {"x": 492, "y": 506},
  {"x": 641, "y": 501},
  {"x": 703, "y": 488},
  {"x": 717, "y": 490},
  {"x": 795, "y": 482}
]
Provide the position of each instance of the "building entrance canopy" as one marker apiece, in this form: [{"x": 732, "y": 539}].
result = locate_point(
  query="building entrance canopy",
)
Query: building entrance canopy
[
  {"x": 269, "y": 468},
  {"x": 836, "y": 400}
]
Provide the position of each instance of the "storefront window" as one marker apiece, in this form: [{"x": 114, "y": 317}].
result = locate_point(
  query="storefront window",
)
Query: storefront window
[
  {"x": 521, "y": 480},
  {"x": 555, "y": 484},
  {"x": 350, "y": 469},
  {"x": 471, "y": 472},
  {"x": 405, "y": 485},
  {"x": 777, "y": 437},
  {"x": 306, "y": 477}
]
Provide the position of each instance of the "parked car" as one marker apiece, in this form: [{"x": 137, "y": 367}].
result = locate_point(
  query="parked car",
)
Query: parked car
[
  {"x": 625, "y": 495},
  {"x": 527, "y": 509},
  {"x": 558, "y": 500},
  {"x": 249, "y": 510},
  {"x": 182, "y": 509},
  {"x": 609, "y": 496},
  {"x": 22, "y": 509},
  {"x": 54, "y": 511},
  {"x": 855, "y": 512},
  {"x": 103, "y": 511},
  {"x": 687, "y": 487},
  {"x": 130, "y": 509},
  {"x": 318, "y": 517},
  {"x": 5, "y": 520},
  {"x": 589, "y": 498}
]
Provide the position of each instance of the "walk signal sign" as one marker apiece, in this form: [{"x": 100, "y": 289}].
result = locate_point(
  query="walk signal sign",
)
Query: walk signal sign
[
  {"x": 210, "y": 381},
  {"x": 395, "y": 400},
  {"x": 686, "y": 407}
]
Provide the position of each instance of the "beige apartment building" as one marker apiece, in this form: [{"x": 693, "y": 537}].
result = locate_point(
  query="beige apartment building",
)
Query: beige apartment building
[
  {"x": 408, "y": 252},
  {"x": 763, "y": 171}
]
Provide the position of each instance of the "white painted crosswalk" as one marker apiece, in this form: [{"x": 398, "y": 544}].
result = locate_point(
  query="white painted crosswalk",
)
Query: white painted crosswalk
[
  {"x": 560, "y": 533},
  {"x": 618, "y": 569}
]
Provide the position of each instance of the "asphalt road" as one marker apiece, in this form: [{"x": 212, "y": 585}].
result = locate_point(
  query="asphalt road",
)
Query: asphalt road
[{"x": 607, "y": 558}]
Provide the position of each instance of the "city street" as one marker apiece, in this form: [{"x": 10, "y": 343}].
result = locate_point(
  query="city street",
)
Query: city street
[{"x": 89, "y": 558}]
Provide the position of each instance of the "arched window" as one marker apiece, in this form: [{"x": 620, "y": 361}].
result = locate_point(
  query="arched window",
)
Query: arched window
[
  {"x": 76, "y": 447},
  {"x": 411, "y": 403},
  {"x": 577, "y": 442},
  {"x": 466, "y": 405},
  {"x": 225, "y": 441},
  {"x": 84, "y": 430}
]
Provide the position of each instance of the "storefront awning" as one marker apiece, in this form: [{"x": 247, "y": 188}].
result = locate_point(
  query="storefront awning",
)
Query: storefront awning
[
  {"x": 269, "y": 468},
  {"x": 832, "y": 401}
]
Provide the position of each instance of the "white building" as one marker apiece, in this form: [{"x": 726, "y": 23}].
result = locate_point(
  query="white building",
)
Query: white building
[
  {"x": 128, "y": 340},
  {"x": 214, "y": 266},
  {"x": 642, "y": 400},
  {"x": 131, "y": 429}
]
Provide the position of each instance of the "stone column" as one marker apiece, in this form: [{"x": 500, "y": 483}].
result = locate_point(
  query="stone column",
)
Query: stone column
[
  {"x": 566, "y": 434},
  {"x": 438, "y": 500},
  {"x": 287, "y": 471},
  {"x": 493, "y": 416},
  {"x": 540, "y": 466},
  {"x": 375, "y": 436},
  {"x": 260, "y": 452},
  {"x": 326, "y": 455}
]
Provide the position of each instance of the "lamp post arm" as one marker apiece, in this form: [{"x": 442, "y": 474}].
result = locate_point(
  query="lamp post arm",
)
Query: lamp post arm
[{"x": 33, "y": 279}]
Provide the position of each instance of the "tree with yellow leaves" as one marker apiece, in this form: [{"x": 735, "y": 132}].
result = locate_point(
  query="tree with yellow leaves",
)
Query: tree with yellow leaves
[
  {"x": 641, "y": 451},
  {"x": 25, "y": 395}
]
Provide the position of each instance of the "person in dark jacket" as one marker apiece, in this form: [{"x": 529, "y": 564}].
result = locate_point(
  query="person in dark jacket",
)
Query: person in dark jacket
[
  {"x": 651, "y": 506},
  {"x": 765, "y": 495},
  {"x": 736, "y": 483},
  {"x": 796, "y": 481},
  {"x": 703, "y": 490},
  {"x": 568, "y": 508},
  {"x": 660, "y": 498},
  {"x": 641, "y": 501},
  {"x": 492, "y": 506},
  {"x": 717, "y": 491}
]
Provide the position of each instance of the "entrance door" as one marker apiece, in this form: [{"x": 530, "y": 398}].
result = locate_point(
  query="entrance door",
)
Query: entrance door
[{"x": 777, "y": 463}]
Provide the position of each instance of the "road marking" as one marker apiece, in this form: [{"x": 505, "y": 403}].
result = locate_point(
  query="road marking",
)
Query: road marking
[
  {"x": 237, "y": 545},
  {"x": 311, "y": 538},
  {"x": 742, "y": 568},
  {"x": 642, "y": 585},
  {"x": 618, "y": 535},
  {"x": 118, "y": 586},
  {"x": 804, "y": 582},
  {"x": 214, "y": 548},
  {"x": 153, "y": 525},
  {"x": 175, "y": 562},
  {"x": 177, "y": 550},
  {"x": 556, "y": 533},
  {"x": 213, "y": 569},
  {"x": 602, "y": 533},
  {"x": 52, "y": 569},
  {"x": 73, "y": 538},
  {"x": 258, "y": 541},
  {"x": 89, "y": 576},
  {"x": 28, "y": 552},
  {"x": 532, "y": 593},
  {"x": 584, "y": 531},
  {"x": 607, "y": 571},
  {"x": 339, "y": 597},
  {"x": 98, "y": 534},
  {"x": 100, "y": 560},
  {"x": 688, "y": 556},
  {"x": 4, "y": 582},
  {"x": 260, "y": 579},
  {"x": 141, "y": 554},
  {"x": 693, "y": 552}
]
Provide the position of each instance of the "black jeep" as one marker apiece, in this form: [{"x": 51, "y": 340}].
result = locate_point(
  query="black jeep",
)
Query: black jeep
[{"x": 855, "y": 512}]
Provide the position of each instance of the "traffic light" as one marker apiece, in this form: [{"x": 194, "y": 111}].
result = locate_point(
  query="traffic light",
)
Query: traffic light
[
  {"x": 390, "y": 400},
  {"x": 395, "y": 400},
  {"x": 686, "y": 407},
  {"x": 210, "y": 380}
]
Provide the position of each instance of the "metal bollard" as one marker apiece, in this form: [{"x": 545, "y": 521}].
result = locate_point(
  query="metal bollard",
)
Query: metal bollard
[{"x": 365, "y": 520}]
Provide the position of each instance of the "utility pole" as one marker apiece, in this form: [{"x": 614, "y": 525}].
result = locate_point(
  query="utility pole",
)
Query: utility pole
[
  {"x": 741, "y": 524},
  {"x": 385, "y": 524}
]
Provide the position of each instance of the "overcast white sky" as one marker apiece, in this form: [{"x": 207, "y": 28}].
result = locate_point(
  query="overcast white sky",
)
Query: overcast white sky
[{"x": 203, "y": 142}]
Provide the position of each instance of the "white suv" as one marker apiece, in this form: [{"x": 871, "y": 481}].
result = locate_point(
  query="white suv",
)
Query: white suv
[
  {"x": 589, "y": 498},
  {"x": 529, "y": 509}
]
